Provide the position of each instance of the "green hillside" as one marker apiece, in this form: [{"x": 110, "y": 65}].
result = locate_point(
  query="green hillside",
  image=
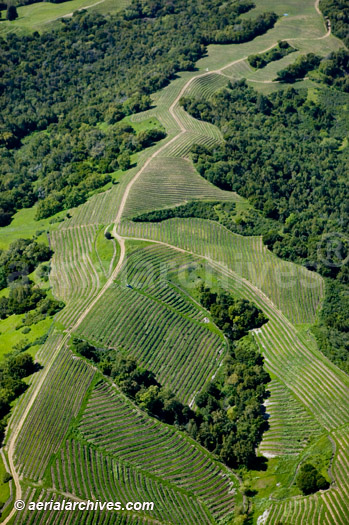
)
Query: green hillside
[{"x": 174, "y": 262}]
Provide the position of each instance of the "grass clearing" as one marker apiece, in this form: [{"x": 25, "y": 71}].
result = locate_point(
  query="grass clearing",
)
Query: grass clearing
[
  {"x": 25, "y": 226},
  {"x": 107, "y": 251},
  {"x": 9, "y": 336}
]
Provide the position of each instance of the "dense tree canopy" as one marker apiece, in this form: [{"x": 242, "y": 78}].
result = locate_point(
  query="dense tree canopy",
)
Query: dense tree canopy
[
  {"x": 309, "y": 480},
  {"x": 13, "y": 369},
  {"x": 22, "y": 257},
  {"x": 338, "y": 13},
  {"x": 16, "y": 263},
  {"x": 235, "y": 317}
]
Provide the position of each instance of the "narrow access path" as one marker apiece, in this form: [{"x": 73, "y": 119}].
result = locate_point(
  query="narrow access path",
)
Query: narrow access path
[
  {"x": 68, "y": 15},
  {"x": 14, "y": 435}
]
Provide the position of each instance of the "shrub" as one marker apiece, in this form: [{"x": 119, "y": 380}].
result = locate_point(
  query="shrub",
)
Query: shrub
[
  {"x": 6, "y": 477},
  {"x": 309, "y": 480}
]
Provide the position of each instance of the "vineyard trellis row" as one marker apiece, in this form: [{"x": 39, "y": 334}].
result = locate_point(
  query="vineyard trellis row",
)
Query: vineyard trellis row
[
  {"x": 296, "y": 291},
  {"x": 57, "y": 403},
  {"x": 291, "y": 427},
  {"x": 157, "y": 182},
  {"x": 159, "y": 313},
  {"x": 116, "y": 427},
  {"x": 82, "y": 471}
]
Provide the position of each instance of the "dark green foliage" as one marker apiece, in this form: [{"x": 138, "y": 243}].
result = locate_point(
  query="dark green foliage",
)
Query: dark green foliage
[
  {"x": 335, "y": 70},
  {"x": 335, "y": 307},
  {"x": 309, "y": 480},
  {"x": 271, "y": 237},
  {"x": 108, "y": 235},
  {"x": 124, "y": 161},
  {"x": 332, "y": 329},
  {"x": 235, "y": 317},
  {"x": 24, "y": 297},
  {"x": 299, "y": 69},
  {"x": 229, "y": 420},
  {"x": 203, "y": 210},
  {"x": 19, "y": 366},
  {"x": 107, "y": 70},
  {"x": 148, "y": 137},
  {"x": 23, "y": 256},
  {"x": 338, "y": 13},
  {"x": 247, "y": 30},
  {"x": 6, "y": 477},
  {"x": 13, "y": 369},
  {"x": 281, "y": 50},
  {"x": 206, "y": 22},
  {"x": 11, "y": 13},
  {"x": 45, "y": 307},
  {"x": 85, "y": 349}
]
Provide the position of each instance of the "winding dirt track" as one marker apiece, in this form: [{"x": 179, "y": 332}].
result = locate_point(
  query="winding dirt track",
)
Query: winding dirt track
[{"x": 13, "y": 437}]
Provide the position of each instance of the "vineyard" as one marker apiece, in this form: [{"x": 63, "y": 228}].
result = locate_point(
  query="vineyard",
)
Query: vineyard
[
  {"x": 118, "y": 428},
  {"x": 84, "y": 471},
  {"x": 328, "y": 507},
  {"x": 159, "y": 314},
  {"x": 291, "y": 427},
  {"x": 73, "y": 269},
  {"x": 157, "y": 181},
  {"x": 73, "y": 435},
  {"x": 296, "y": 291},
  {"x": 41, "y": 436}
]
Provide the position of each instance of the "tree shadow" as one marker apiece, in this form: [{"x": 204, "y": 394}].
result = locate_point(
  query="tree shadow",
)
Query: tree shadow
[{"x": 259, "y": 463}]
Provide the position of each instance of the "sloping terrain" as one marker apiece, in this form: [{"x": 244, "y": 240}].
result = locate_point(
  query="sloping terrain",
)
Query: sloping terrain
[{"x": 75, "y": 435}]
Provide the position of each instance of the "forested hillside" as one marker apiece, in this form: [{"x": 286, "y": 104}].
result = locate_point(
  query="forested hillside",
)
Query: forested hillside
[
  {"x": 338, "y": 13},
  {"x": 59, "y": 81}
]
